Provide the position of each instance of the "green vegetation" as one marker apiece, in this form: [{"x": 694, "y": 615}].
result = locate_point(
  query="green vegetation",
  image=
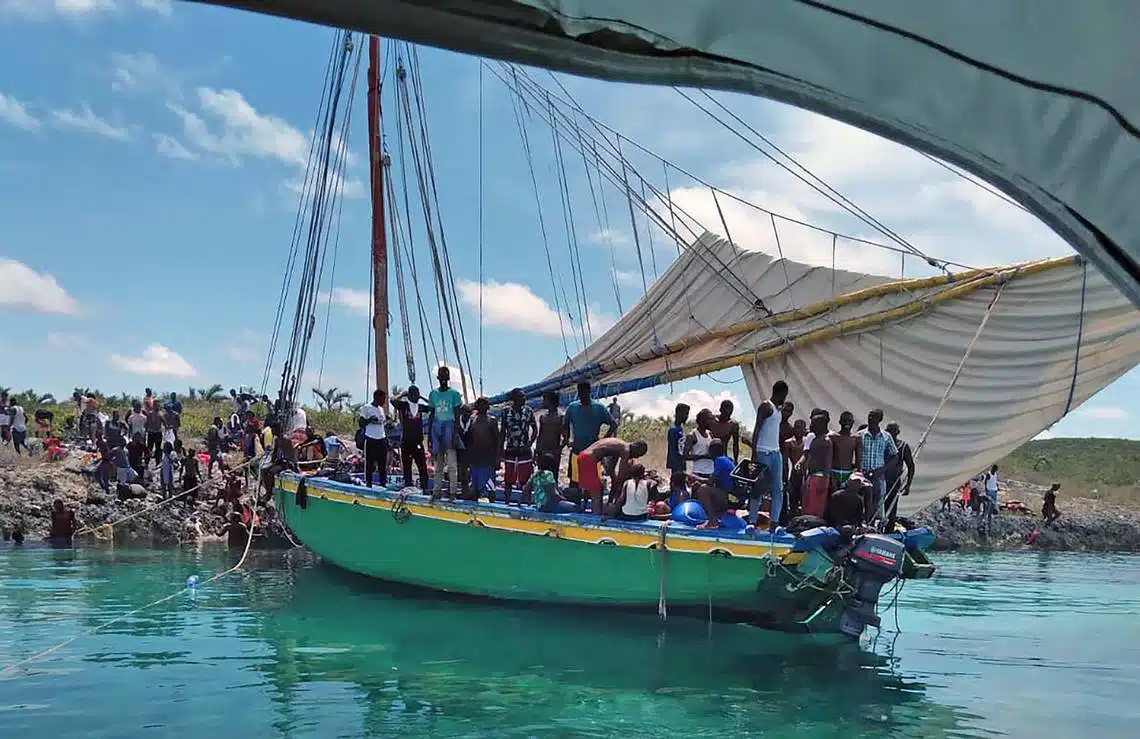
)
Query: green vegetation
[{"x": 1102, "y": 469}]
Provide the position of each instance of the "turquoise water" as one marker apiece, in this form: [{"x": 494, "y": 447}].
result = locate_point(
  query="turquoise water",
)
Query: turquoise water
[{"x": 1033, "y": 645}]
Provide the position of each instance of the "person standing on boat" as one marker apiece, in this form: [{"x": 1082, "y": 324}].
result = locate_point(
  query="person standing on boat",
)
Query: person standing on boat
[
  {"x": 583, "y": 424},
  {"x": 897, "y": 486},
  {"x": 675, "y": 455},
  {"x": 698, "y": 444},
  {"x": 875, "y": 447},
  {"x": 483, "y": 448},
  {"x": 793, "y": 471},
  {"x": 519, "y": 432},
  {"x": 550, "y": 424},
  {"x": 817, "y": 462},
  {"x": 843, "y": 450},
  {"x": 766, "y": 451},
  {"x": 590, "y": 471},
  {"x": 726, "y": 429},
  {"x": 371, "y": 421},
  {"x": 444, "y": 401},
  {"x": 410, "y": 408}
]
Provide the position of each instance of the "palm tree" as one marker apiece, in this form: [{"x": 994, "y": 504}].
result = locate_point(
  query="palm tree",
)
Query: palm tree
[
  {"x": 212, "y": 393},
  {"x": 5, "y": 390},
  {"x": 192, "y": 394},
  {"x": 332, "y": 399}
]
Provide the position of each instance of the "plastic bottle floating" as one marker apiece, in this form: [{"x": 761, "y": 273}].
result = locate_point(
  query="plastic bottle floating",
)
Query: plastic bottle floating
[{"x": 191, "y": 582}]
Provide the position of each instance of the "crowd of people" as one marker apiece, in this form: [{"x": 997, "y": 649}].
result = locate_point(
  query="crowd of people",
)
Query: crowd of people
[{"x": 795, "y": 466}]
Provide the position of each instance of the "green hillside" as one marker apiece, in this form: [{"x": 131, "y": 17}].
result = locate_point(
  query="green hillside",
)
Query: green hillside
[{"x": 1106, "y": 469}]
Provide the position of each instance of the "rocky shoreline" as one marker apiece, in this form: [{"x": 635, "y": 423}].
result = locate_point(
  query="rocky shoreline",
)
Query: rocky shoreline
[
  {"x": 28, "y": 488},
  {"x": 1085, "y": 525}
]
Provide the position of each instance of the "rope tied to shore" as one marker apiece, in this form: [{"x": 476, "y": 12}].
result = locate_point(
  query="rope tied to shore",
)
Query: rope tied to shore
[
  {"x": 110, "y": 525},
  {"x": 664, "y": 552},
  {"x": 12, "y": 667}
]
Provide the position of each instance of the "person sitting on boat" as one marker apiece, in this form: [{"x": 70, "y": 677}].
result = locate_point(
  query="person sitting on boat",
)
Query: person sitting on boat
[
  {"x": 716, "y": 491},
  {"x": 519, "y": 432},
  {"x": 582, "y": 425},
  {"x": 816, "y": 465},
  {"x": 550, "y": 426},
  {"x": 542, "y": 487},
  {"x": 845, "y": 505},
  {"x": 483, "y": 447},
  {"x": 444, "y": 401},
  {"x": 589, "y": 469},
  {"x": 632, "y": 502}
]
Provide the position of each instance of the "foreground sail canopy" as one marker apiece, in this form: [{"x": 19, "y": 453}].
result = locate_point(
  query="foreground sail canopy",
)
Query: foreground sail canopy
[
  {"x": 1055, "y": 332},
  {"x": 987, "y": 86}
]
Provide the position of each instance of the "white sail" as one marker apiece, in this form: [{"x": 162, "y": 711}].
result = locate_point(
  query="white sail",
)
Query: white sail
[{"x": 1057, "y": 333}]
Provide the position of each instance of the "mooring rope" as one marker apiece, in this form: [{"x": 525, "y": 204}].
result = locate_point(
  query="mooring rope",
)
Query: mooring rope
[
  {"x": 10, "y": 668},
  {"x": 661, "y": 594}
]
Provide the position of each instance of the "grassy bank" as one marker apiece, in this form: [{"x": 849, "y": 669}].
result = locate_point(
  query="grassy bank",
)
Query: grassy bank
[{"x": 1100, "y": 469}]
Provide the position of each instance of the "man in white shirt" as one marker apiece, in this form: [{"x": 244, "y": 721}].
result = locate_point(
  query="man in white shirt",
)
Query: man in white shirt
[
  {"x": 372, "y": 420},
  {"x": 992, "y": 489},
  {"x": 5, "y": 428},
  {"x": 300, "y": 419},
  {"x": 18, "y": 420}
]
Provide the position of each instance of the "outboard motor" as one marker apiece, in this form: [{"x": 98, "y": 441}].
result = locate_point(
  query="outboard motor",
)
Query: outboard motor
[{"x": 873, "y": 561}]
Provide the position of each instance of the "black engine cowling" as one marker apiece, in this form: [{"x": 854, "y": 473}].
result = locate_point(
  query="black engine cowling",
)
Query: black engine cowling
[{"x": 872, "y": 562}]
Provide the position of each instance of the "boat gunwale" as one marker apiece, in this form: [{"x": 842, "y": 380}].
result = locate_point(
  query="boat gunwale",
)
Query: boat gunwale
[{"x": 472, "y": 513}]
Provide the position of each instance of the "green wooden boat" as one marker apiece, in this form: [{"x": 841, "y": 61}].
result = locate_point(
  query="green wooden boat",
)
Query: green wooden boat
[{"x": 492, "y": 551}]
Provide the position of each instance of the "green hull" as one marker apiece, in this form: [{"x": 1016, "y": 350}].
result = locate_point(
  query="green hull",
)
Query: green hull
[{"x": 479, "y": 551}]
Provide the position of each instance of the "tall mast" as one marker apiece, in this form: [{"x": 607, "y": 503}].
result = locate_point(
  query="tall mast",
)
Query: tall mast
[{"x": 379, "y": 244}]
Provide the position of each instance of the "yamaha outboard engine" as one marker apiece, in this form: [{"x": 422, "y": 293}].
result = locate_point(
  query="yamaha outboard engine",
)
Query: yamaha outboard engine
[{"x": 873, "y": 562}]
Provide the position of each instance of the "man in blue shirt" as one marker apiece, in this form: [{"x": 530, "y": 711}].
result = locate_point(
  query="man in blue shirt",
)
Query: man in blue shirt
[
  {"x": 675, "y": 455},
  {"x": 444, "y": 401},
  {"x": 582, "y": 425}
]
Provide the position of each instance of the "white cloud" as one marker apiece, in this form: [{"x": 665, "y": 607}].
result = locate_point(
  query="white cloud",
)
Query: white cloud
[
  {"x": 511, "y": 305},
  {"x": 356, "y": 301},
  {"x": 24, "y": 289},
  {"x": 350, "y": 188},
  {"x": 622, "y": 277},
  {"x": 657, "y": 404},
  {"x": 44, "y": 10},
  {"x": 240, "y": 130},
  {"x": 1104, "y": 413},
  {"x": 141, "y": 72},
  {"x": 85, "y": 121},
  {"x": 247, "y": 349},
  {"x": 156, "y": 359},
  {"x": 15, "y": 113},
  {"x": 62, "y": 341},
  {"x": 610, "y": 237},
  {"x": 172, "y": 148}
]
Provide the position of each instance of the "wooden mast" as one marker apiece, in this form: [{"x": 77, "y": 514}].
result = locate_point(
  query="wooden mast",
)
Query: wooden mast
[{"x": 379, "y": 243}]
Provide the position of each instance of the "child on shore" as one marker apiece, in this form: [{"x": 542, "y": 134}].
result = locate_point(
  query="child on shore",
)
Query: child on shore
[{"x": 167, "y": 469}]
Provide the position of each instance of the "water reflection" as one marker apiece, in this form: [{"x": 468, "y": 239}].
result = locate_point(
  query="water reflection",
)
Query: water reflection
[{"x": 415, "y": 658}]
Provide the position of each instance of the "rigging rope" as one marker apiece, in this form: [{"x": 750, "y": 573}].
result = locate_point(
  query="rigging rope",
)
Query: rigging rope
[
  {"x": 481, "y": 278},
  {"x": 576, "y": 274}
]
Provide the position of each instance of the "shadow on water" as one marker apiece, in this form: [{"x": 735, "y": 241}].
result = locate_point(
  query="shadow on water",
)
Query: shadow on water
[{"x": 415, "y": 658}]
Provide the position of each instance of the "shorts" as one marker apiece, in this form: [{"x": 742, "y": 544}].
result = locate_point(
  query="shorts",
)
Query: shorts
[
  {"x": 588, "y": 473},
  {"x": 815, "y": 494},
  {"x": 841, "y": 477},
  {"x": 518, "y": 465}
]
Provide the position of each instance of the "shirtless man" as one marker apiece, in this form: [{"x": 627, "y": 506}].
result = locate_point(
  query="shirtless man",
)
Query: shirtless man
[
  {"x": 816, "y": 465},
  {"x": 793, "y": 449},
  {"x": 786, "y": 411},
  {"x": 589, "y": 472},
  {"x": 843, "y": 444},
  {"x": 723, "y": 427}
]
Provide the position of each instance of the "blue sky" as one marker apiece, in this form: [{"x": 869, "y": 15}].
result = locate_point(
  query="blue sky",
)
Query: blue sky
[{"x": 148, "y": 151}]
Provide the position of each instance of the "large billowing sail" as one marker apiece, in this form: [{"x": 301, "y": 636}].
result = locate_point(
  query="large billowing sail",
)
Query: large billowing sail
[
  {"x": 1035, "y": 96},
  {"x": 1055, "y": 332}
]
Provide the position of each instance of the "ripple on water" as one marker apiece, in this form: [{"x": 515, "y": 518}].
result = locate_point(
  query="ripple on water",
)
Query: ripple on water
[{"x": 1016, "y": 645}]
